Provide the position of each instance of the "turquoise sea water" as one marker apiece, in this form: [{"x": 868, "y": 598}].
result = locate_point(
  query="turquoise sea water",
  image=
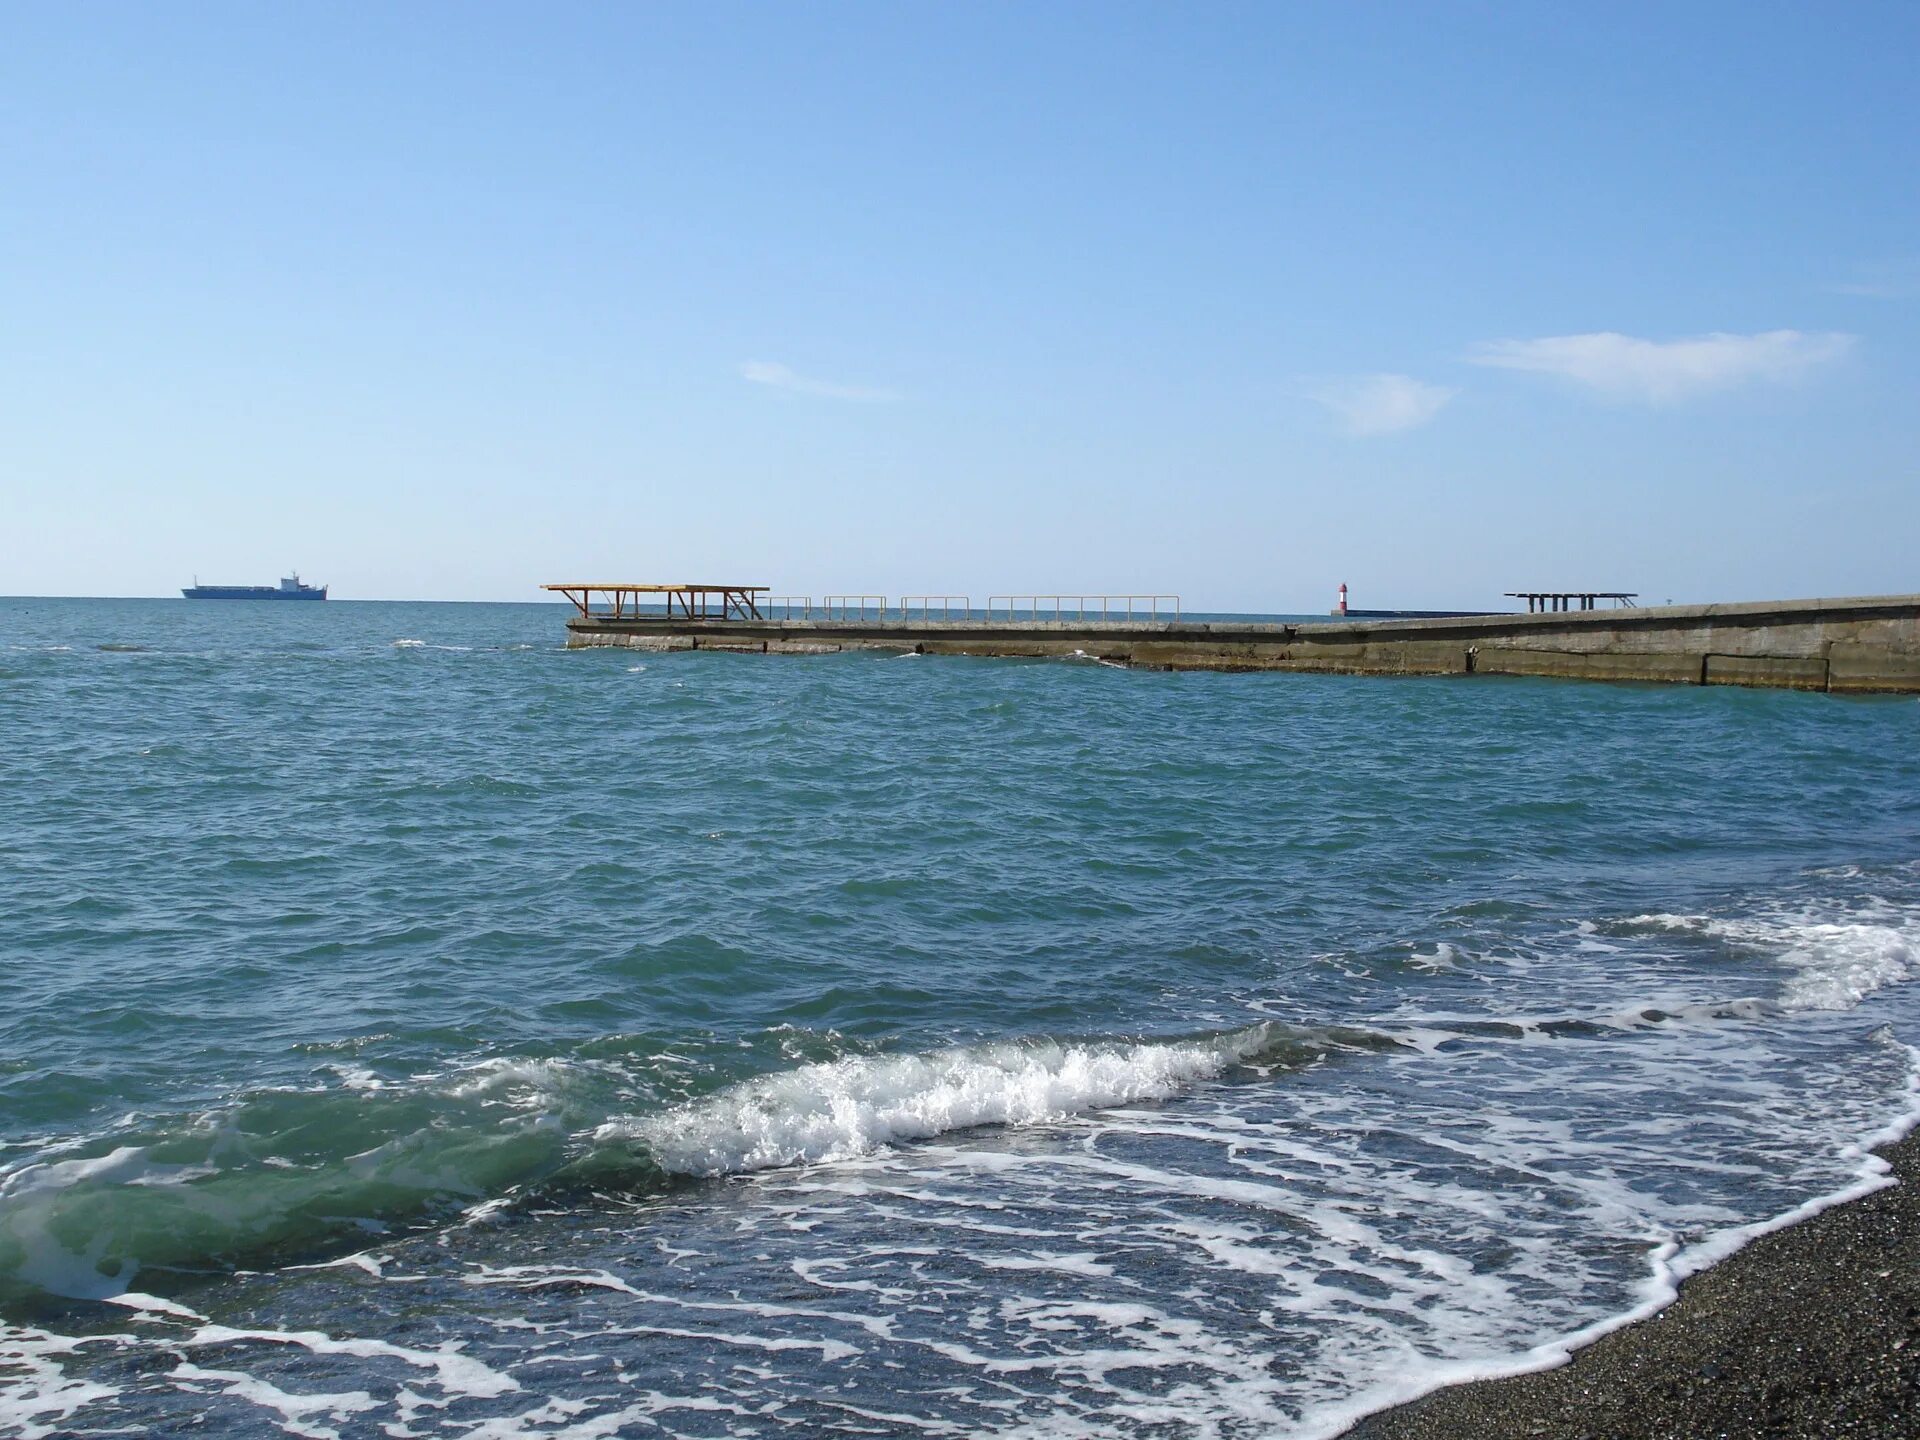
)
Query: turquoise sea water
[{"x": 408, "y": 1027}]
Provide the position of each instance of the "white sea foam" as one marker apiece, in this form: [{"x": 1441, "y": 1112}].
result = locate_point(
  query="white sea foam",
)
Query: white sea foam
[
  {"x": 1172, "y": 1255},
  {"x": 153, "y": 1305},
  {"x": 534, "y": 1084},
  {"x": 1833, "y": 964},
  {"x": 37, "y": 1397},
  {"x": 454, "y": 1372},
  {"x": 367, "y": 1261},
  {"x": 538, "y": 1423},
  {"x": 36, "y": 1393},
  {"x": 854, "y": 1106},
  {"x": 1669, "y": 1264},
  {"x": 292, "y": 1409},
  {"x": 1445, "y": 956}
]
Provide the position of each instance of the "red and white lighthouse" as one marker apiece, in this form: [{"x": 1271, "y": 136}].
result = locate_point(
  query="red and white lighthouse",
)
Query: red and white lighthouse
[{"x": 1341, "y": 608}]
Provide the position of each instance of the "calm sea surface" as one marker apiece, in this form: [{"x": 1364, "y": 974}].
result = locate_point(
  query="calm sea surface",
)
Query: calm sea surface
[{"x": 410, "y": 1028}]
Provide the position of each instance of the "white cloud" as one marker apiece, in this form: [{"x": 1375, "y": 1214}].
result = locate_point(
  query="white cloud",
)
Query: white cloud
[
  {"x": 1380, "y": 404},
  {"x": 1662, "y": 371},
  {"x": 769, "y": 372}
]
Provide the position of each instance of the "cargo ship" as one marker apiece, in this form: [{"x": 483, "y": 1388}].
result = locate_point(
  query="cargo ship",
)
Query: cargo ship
[{"x": 288, "y": 589}]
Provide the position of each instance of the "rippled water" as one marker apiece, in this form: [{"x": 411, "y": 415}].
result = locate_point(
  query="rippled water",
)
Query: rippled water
[{"x": 408, "y": 1027}]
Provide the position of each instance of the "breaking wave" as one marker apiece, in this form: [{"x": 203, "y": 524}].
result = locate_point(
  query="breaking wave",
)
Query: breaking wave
[
  {"x": 853, "y": 1106},
  {"x": 284, "y": 1175},
  {"x": 1831, "y": 963},
  {"x": 287, "y": 1173}
]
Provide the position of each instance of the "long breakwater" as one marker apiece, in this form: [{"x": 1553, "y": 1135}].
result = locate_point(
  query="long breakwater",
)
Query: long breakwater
[{"x": 1855, "y": 645}]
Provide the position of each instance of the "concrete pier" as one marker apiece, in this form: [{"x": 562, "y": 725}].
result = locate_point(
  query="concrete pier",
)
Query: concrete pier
[{"x": 1856, "y": 645}]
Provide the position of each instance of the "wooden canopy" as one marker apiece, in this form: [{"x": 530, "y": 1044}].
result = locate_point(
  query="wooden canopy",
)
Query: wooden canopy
[
  {"x": 1550, "y": 600},
  {"x": 691, "y": 602}
]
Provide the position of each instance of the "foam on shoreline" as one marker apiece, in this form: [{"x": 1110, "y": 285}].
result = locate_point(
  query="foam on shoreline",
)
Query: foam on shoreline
[{"x": 1671, "y": 1266}]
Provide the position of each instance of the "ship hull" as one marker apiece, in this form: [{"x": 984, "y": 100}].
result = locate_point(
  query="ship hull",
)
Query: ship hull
[{"x": 253, "y": 592}]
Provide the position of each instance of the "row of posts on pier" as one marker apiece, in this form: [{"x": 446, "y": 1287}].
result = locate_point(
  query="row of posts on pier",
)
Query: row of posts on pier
[
  {"x": 620, "y": 600},
  {"x": 725, "y": 602}
]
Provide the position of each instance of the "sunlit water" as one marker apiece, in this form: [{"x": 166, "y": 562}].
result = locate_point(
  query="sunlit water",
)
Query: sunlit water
[{"x": 410, "y": 1028}]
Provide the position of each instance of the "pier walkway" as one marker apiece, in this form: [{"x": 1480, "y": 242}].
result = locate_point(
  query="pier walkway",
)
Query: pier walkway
[{"x": 1859, "y": 644}]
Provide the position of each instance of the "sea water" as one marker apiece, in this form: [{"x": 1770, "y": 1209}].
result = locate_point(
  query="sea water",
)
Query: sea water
[{"x": 409, "y": 1027}]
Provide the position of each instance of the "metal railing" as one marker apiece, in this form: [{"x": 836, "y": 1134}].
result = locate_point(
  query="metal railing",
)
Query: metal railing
[
  {"x": 854, "y": 607},
  {"x": 960, "y": 607},
  {"x": 927, "y": 605},
  {"x": 1084, "y": 607}
]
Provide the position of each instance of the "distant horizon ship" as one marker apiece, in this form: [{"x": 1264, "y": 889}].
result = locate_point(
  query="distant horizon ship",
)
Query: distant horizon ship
[{"x": 289, "y": 588}]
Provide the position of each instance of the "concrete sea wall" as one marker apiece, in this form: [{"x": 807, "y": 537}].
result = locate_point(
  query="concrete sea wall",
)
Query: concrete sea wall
[{"x": 1857, "y": 645}]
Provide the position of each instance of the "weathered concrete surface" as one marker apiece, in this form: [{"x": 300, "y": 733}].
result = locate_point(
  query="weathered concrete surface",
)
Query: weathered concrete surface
[
  {"x": 1678, "y": 667},
  {"x": 1847, "y": 645},
  {"x": 1854, "y": 666},
  {"x": 1790, "y": 672}
]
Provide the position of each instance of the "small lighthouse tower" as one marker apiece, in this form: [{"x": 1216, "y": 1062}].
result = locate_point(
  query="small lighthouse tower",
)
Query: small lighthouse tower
[{"x": 1341, "y": 608}]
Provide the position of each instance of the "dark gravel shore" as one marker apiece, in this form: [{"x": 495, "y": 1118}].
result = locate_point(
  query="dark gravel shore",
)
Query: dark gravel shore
[{"x": 1810, "y": 1331}]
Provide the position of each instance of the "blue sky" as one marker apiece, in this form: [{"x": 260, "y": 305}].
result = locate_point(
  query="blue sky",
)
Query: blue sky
[{"x": 443, "y": 301}]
